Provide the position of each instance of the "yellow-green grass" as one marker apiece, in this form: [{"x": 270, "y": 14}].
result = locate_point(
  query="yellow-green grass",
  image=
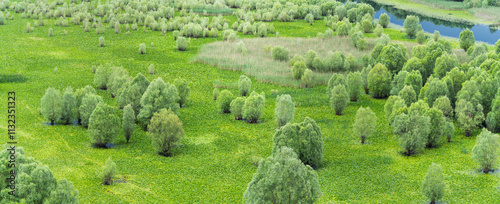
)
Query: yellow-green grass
[{"x": 214, "y": 162}]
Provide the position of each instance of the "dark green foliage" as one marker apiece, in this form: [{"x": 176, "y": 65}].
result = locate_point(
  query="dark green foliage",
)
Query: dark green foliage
[
  {"x": 457, "y": 78},
  {"x": 433, "y": 184},
  {"x": 158, "y": 95},
  {"x": 283, "y": 178},
  {"x": 64, "y": 193},
  {"x": 364, "y": 76},
  {"x": 376, "y": 50},
  {"x": 437, "y": 122},
  {"x": 379, "y": 81},
  {"x": 253, "y": 107},
  {"x": 488, "y": 89},
  {"x": 103, "y": 125},
  {"x": 384, "y": 20},
  {"x": 224, "y": 101},
  {"x": 108, "y": 172},
  {"x": 339, "y": 99},
  {"x": 236, "y": 107},
  {"x": 51, "y": 105},
  {"x": 285, "y": 109},
  {"x": 365, "y": 123},
  {"x": 304, "y": 138},
  {"x": 280, "y": 53},
  {"x": 412, "y": 26},
  {"x": 393, "y": 56},
  {"x": 398, "y": 82},
  {"x": 183, "y": 90},
  {"x": 485, "y": 151},
  {"x": 414, "y": 79},
  {"x": 68, "y": 106},
  {"x": 354, "y": 83},
  {"x": 443, "y": 103},
  {"x": 444, "y": 64},
  {"x": 435, "y": 89},
  {"x": 408, "y": 95},
  {"x": 165, "y": 131},
  {"x": 412, "y": 130},
  {"x": 466, "y": 39},
  {"x": 128, "y": 122}
]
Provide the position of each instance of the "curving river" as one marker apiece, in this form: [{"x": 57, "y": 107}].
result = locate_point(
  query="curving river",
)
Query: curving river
[{"x": 481, "y": 32}]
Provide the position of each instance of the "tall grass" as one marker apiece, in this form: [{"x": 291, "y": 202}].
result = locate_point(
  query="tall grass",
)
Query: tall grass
[{"x": 258, "y": 63}]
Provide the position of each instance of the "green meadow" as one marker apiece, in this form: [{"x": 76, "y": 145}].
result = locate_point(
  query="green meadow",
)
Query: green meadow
[{"x": 216, "y": 159}]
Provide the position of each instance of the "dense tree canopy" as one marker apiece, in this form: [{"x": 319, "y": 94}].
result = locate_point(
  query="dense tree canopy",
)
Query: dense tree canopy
[
  {"x": 165, "y": 131},
  {"x": 412, "y": 130},
  {"x": 157, "y": 96},
  {"x": 379, "y": 81},
  {"x": 103, "y": 125},
  {"x": 466, "y": 39}
]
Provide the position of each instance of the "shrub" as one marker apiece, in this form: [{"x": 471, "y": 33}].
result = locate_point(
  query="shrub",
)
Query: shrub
[
  {"x": 183, "y": 90},
  {"x": 175, "y": 34},
  {"x": 63, "y": 193},
  {"x": 151, "y": 69},
  {"x": 393, "y": 56},
  {"x": 469, "y": 116},
  {"x": 108, "y": 172},
  {"x": 224, "y": 101},
  {"x": 420, "y": 37},
  {"x": 443, "y": 103},
  {"x": 309, "y": 19},
  {"x": 412, "y": 130},
  {"x": 354, "y": 83},
  {"x": 103, "y": 125},
  {"x": 117, "y": 27},
  {"x": 339, "y": 99},
  {"x": 466, "y": 39},
  {"x": 436, "y": 35},
  {"x": 101, "y": 41},
  {"x": 365, "y": 123},
  {"x": 298, "y": 70},
  {"x": 28, "y": 27},
  {"x": 284, "y": 109},
  {"x": 310, "y": 55},
  {"x": 118, "y": 77},
  {"x": 444, "y": 64},
  {"x": 68, "y": 106},
  {"x": 384, "y": 39},
  {"x": 435, "y": 89},
  {"x": 236, "y": 107},
  {"x": 241, "y": 47},
  {"x": 408, "y": 95},
  {"x": 244, "y": 85},
  {"x": 51, "y": 105},
  {"x": 412, "y": 26},
  {"x": 485, "y": 150},
  {"x": 449, "y": 130},
  {"x": 142, "y": 48},
  {"x": 384, "y": 20},
  {"x": 294, "y": 135},
  {"x": 328, "y": 33},
  {"x": 437, "y": 125},
  {"x": 433, "y": 184},
  {"x": 335, "y": 62},
  {"x": 50, "y": 32},
  {"x": 253, "y": 107},
  {"x": 318, "y": 64},
  {"x": 262, "y": 30},
  {"x": 367, "y": 26},
  {"x": 2, "y": 18},
  {"x": 343, "y": 28},
  {"x": 181, "y": 44},
  {"x": 165, "y": 131},
  {"x": 159, "y": 95},
  {"x": 215, "y": 93},
  {"x": 273, "y": 176},
  {"x": 379, "y": 81},
  {"x": 378, "y": 30},
  {"x": 128, "y": 123},
  {"x": 79, "y": 94},
  {"x": 294, "y": 59},
  {"x": 364, "y": 76},
  {"x": 307, "y": 78},
  {"x": 280, "y": 53}
]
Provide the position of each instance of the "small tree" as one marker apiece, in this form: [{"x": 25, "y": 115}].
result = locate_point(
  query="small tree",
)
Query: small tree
[
  {"x": 101, "y": 76},
  {"x": 364, "y": 75},
  {"x": 378, "y": 30},
  {"x": 449, "y": 130},
  {"x": 165, "y": 131},
  {"x": 128, "y": 123},
  {"x": 433, "y": 184},
  {"x": 309, "y": 19},
  {"x": 63, "y": 193},
  {"x": 354, "y": 83},
  {"x": 224, "y": 101},
  {"x": 411, "y": 25},
  {"x": 183, "y": 90},
  {"x": 485, "y": 150},
  {"x": 466, "y": 38},
  {"x": 384, "y": 20},
  {"x": 280, "y": 53},
  {"x": 280, "y": 175},
  {"x": 468, "y": 115},
  {"x": 298, "y": 70},
  {"x": 284, "y": 109},
  {"x": 309, "y": 58},
  {"x": 151, "y": 69},
  {"x": 101, "y": 41},
  {"x": 142, "y": 48},
  {"x": 339, "y": 99},
  {"x": 307, "y": 78},
  {"x": 379, "y": 81},
  {"x": 103, "y": 125},
  {"x": 244, "y": 85},
  {"x": 51, "y": 105},
  {"x": 443, "y": 103},
  {"x": 365, "y": 123},
  {"x": 181, "y": 43},
  {"x": 216, "y": 93},
  {"x": 158, "y": 95},
  {"x": 436, "y": 35},
  {"x": 253, "y": 107},
  {"x": 108, "y": 172},
  {"x": 68, "y": 106},
  {"x": 412, "y": 130},
  {"x": 420, "y": 37},
  {"x": 236, "y": 107},
  {"x": 437, "y": 122}
]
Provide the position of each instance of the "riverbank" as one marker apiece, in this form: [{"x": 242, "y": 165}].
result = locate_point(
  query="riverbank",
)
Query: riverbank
[{"x": 458, "y": 16}]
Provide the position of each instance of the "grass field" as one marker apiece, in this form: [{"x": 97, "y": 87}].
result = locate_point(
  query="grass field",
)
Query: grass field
[{"x": 214, "y": 162}]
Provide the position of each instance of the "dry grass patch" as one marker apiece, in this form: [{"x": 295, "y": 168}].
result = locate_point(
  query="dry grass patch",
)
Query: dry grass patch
[{"x": 259, "y": 63}]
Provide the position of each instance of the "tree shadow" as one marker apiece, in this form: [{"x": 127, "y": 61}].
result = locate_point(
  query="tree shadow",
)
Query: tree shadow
[{"x": 12, "y": 78}]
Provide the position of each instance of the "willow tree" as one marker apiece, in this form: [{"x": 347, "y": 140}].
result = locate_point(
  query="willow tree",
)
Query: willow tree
[{"x": 51, "y": 105}]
